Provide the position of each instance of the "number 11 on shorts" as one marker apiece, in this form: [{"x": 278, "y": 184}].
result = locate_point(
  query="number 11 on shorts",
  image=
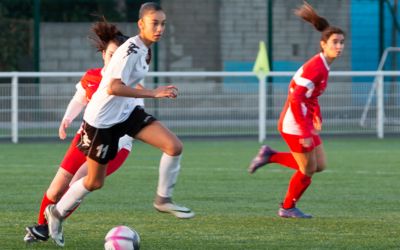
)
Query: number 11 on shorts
[{"x": 101, "y": 151}]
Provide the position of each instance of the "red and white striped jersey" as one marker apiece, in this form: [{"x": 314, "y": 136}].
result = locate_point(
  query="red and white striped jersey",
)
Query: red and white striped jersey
[
  {"x": 84, "y": 91},
  {"x": 301, "y": 106}
]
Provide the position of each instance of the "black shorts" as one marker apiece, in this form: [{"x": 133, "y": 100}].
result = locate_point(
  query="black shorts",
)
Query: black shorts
[{"x": 101, "y": 144}]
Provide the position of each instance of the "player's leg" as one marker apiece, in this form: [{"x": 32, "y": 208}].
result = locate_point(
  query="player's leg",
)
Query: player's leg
[
  {"x": 321, "y": 155},
  {"x": 55, "y": 214},
  {"x": 71, "y": 162},
  {"x": 262, "y": 158},
  {"x": 298, "y": 184},
  {"x": 267, "y": 155},
  {"x": 82, "y": 172},
  {"x": 307, "y": 162},
  {"x": 124, "y": 148},
  {"x": 59, "y": 184},
  {"x": 100, "y": 149},
  {"x": 124, "y": 145},
  {"x": 157, "y": 135}
]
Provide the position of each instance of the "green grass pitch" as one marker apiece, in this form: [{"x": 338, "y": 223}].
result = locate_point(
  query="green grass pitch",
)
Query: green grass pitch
[{"x": 355, "y": 203}]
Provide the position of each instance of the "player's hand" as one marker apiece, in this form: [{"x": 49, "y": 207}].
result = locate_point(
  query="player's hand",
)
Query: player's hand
[
  {"x": 169, "y": 91},
  {"x": 62, "y": 129},
  {"x": 317, "y": 124},
  {"x": 306, "y": 142}
]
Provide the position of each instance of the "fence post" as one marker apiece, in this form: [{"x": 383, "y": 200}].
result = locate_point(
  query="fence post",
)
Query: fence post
[
  {"x": 14, "y": 108},
  {"x": 380, "y": 112},
  {"x": 262, "y": 107}
]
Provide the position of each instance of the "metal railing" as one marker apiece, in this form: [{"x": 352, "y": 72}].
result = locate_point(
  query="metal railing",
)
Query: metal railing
[{"x": 209, "y": 104}]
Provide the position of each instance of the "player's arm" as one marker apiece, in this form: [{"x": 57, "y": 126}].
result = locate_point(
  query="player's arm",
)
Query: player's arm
[
  {"x": 303, "y": 90},
  {"x": 297, "y": 97},
  {"x": 75, "y": 107},
  {"x": 317, "y": 117},
  {"x": 121, "y": 67},
  {"x": 118, "y": 88}
]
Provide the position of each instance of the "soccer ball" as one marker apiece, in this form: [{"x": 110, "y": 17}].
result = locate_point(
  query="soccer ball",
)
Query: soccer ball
[{"x": 122, "y": 238}]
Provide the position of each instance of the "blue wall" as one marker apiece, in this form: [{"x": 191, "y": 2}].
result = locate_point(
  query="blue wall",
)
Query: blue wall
[
  {"x": 364, "y": 25},
  {"x": 365, "y": 34}
]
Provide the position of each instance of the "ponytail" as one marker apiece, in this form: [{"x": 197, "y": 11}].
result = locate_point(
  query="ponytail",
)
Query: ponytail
[
  {"x": 105, "y": 33},
  {"x": 307, "y": 12}
]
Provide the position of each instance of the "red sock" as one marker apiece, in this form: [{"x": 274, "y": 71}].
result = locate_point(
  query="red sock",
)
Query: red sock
[
  {"x": 117, "y": 161},
  {"x": 45, "y": 202},
  {"x": 285, "y": 159},
  {"x": 298, "y": 184}
]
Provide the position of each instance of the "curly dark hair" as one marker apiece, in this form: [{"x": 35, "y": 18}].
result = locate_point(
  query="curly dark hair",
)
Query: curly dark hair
[{"x": 104, "y": 33}]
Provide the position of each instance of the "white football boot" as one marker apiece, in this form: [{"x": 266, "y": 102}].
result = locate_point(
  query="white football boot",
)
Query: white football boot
[
  {"x": 55, "y": 225},
  {"x": 176, "y": 210}
]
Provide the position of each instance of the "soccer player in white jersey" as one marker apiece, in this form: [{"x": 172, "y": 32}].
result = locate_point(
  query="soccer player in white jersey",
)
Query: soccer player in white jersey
[
  {"x": 106, "y": 38},
  {"x": 113, "y": 112},
  {"x": 301, "y": 120}
]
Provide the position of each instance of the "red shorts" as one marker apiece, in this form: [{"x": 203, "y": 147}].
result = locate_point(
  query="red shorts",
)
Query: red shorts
[
  {"x": 73, "y": 158},
  {"x": 293, "y": 141}
]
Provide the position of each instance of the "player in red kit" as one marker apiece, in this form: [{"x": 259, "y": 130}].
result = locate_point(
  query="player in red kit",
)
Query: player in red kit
[
  {"x": 300, "y": 120},
  {"x": 107, "y": 40}
]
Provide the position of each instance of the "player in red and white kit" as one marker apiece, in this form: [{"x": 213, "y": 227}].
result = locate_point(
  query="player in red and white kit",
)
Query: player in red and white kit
[
  {"x": 300, "y": 120},
  {"x": 108, "y": 39}
]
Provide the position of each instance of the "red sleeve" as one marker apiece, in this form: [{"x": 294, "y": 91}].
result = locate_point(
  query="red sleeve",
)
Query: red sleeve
[
  {"x": 90, "y": 81},
  {"x": 297, "y": 97},
  {"x": 317, "y": 111},
  {"x": 313, "y": 73},
  {"x": 302, "y": 88}
]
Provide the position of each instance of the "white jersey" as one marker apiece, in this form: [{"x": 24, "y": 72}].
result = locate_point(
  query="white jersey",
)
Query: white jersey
[{"x": 128, "y": 64}]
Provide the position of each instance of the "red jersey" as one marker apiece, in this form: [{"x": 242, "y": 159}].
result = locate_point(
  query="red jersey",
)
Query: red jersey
[
  {"x": 301, "y": 106},
  {"x": 91, "y": 81}
]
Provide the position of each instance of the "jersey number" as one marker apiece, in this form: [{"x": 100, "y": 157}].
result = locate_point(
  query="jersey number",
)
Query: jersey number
[{"x": 101, "y": 151}]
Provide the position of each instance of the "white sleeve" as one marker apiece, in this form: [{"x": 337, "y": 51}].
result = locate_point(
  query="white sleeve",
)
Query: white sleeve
[
  {"x": 77, "y": 103},
  {"x": 121, "y": 67},
  {"x": 139, "y": 102}
]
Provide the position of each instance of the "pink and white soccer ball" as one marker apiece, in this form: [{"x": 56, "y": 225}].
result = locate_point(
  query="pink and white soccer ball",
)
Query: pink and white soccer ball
[{"x": 122, "y": 238}]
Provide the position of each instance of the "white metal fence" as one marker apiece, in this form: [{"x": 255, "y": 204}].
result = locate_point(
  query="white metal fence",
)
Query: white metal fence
[{"x": 210, "y": 103}]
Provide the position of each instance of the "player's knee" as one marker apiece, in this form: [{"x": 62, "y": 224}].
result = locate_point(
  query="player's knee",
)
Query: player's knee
[
  {"x": 174, "y": 148},
  {"x": 310, "y": 170},
  {"x": 321, "y": 167},
  {"x": 94, "y": 185}
]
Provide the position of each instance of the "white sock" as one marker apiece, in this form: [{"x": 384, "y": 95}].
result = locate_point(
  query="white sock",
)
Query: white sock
[
  {"x": 168, "y": 174},
  {"x": 72, "y": 198}
]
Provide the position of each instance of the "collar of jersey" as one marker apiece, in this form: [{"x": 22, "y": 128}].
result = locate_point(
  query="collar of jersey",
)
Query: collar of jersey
[
  {"x": 142, "y": 47},
  {"x": 324, "y": 61}
]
